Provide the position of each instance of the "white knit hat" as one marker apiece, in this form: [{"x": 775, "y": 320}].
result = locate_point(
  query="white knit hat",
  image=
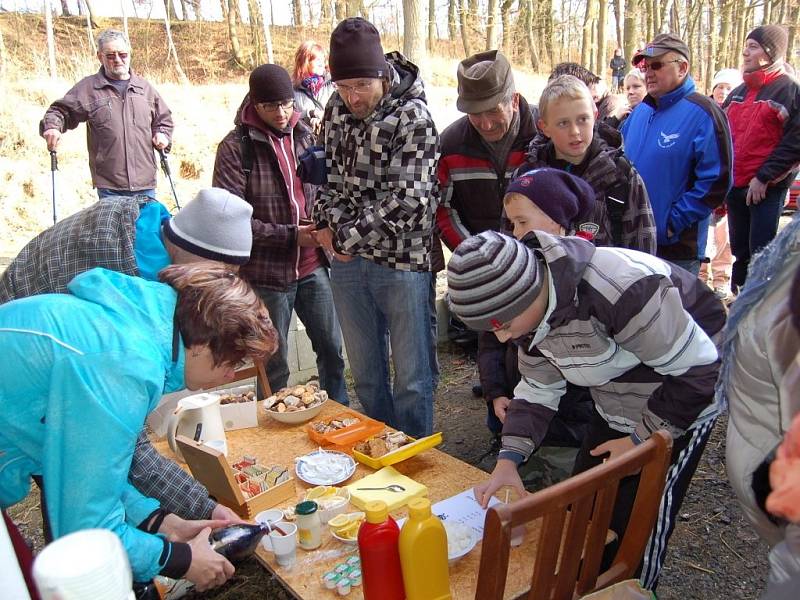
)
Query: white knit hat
[
  {"x": 215, "y": 225},
  {"x": 730, "y": 76}
]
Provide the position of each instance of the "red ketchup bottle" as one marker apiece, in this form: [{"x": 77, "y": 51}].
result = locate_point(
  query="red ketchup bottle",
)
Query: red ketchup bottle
[{"x": 380, "y": 555}]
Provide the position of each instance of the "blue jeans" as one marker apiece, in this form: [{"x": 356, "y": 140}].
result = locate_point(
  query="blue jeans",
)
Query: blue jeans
[
  {"x": 751, "y": 227},
  {"x": 377, "y": 306},
  {"x": 690, "y": 264},
  {"x": 312, "y": 299},
  {"x": 108, "y": 193}
]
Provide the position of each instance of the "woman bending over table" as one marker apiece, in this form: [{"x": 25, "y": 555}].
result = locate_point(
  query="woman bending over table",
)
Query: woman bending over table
[{"x": 79, "y": 374}]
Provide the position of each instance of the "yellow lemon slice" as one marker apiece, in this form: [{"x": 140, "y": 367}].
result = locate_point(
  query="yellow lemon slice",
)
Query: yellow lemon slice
[
  {"x": 339, "y": 521},
  {"x": 330, "y": 490},
  {"x": 317, "y": 492},
  {"x": 349, "y": 531}
]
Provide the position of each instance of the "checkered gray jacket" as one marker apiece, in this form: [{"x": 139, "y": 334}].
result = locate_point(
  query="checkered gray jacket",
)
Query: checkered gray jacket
[
  {"x": 382, "y": 190},
  {"x": 103, "y": 236}
]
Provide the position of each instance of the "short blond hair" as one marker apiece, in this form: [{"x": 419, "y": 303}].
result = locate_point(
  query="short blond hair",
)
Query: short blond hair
[{"x": 563, "y": 86}]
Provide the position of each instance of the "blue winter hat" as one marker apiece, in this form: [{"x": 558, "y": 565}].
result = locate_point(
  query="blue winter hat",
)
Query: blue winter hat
[{"x": 563, "y": 197}]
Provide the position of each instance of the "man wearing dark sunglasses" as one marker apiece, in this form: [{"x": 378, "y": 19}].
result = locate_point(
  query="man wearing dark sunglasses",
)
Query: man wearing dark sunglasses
[
  {"x": 126, "y": 119},
  {"x": 680, "y": 143}
]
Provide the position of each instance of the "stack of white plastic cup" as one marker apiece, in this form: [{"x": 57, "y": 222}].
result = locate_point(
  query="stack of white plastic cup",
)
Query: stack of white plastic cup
[{"x": 86, "y": 564}]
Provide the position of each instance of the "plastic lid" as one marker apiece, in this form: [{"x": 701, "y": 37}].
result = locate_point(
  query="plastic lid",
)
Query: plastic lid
[
  {"x": 306, "y": 508},
  {"x": 377, "y": 511},
  {"x": 419, "y": 508}
]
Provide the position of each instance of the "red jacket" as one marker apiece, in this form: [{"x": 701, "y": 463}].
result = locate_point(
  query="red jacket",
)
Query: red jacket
[{"x": 764, "y": 117}]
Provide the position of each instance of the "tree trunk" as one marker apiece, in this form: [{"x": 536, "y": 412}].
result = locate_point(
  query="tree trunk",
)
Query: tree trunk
[
  {"x": 618, "y": 22},
  {"x": 51, "y": 41},
  {"x": 124, "y": 18},
  {"x": 169, "y": 11},
  {"x": 236, "y": 48},
  {"x": 452, "y": 20},
  {"x": 505, "y": 21},
  {"x": 90, "y": 13},
  {"x": 713, "y": 43},
  {"x": 793, "y": 19},
  {"x": 184, "y": 10},
  {"x": 297, "y": 13},
  {"x": 472, "y": 17},
  {"x": 267, "y": 33},
  {"x": 601, "y": 39},
  {"x": 325, "y": 13},
  {"x": 65, "y": 10},
  {"x": 414, "y": 33},
  {"x": 431, "y": 24},
  {"x": 529, "y": 35},
  {"x": 171, "y": 52},
  {"x": 3, "y": 62},
  {"x": 224, "y": 5},
  {"x": 352, "y": 8},
  {"x": 491, "y": 25},
  {"x": 463, "y": 10},
  {"x": 629, "y": 31},
  {"x": 89, "y": 24},
  {"x": 586, "y": 41},
  {"x": 253, "y": 15}
]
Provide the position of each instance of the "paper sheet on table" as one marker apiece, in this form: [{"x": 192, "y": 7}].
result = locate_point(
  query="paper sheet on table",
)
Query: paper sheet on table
[{"x": 462, "y": 508}]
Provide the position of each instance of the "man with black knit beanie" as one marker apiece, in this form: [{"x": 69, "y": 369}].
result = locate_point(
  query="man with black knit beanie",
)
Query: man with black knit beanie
[
  {"x": 257, "y": 160},
  {"x": 764, "y": 117},
  {"x": 375, "y": 216}
]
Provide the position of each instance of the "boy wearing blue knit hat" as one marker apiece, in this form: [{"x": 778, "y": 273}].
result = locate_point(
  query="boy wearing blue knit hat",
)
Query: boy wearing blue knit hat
[{"x": 634, "y": 328}]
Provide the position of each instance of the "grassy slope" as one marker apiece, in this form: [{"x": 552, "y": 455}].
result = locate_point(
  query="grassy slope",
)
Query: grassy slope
[{"x": 203, "y": 111}]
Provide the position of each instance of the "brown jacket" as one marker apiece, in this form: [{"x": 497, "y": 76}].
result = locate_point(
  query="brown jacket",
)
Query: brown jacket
[{"x": 119, "y": 131}]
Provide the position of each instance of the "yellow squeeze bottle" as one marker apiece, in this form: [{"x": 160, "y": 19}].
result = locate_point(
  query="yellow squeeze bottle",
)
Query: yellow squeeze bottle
[{"x": 423, "y": 554}]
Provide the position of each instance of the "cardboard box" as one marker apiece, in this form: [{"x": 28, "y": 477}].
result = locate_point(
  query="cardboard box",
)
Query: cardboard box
[
  {"x": 211, "y": 469},
  {"x": 239, "y": 415}
]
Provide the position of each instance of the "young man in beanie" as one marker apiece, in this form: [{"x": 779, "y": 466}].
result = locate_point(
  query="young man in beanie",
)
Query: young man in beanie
[
  {"x": 375, "y": 215},
  {"x": 257, "y": 160},
  {"x": 642, "y": 341},
  {"x": 764, "y": 116},
  {"x": 679, "y": 141},
  {"x": 137, "y": 236}
]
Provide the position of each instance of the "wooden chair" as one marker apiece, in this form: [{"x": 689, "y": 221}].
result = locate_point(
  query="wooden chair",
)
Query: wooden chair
[{"x": 567, "y": 561}]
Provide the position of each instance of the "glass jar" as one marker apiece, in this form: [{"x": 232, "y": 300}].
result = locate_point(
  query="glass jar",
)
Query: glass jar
[{"x": 309, "y": 526}]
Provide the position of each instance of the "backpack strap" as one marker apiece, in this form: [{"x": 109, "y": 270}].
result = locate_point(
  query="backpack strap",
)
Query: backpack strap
[
  {"x": 247, "y": 151},
  {"x": 617, "y": 198}
]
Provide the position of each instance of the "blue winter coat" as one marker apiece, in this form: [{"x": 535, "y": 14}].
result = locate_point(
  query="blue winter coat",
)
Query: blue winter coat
[
  {"x": 681, "y": 147},
  {"x": 79, "y": 373}
]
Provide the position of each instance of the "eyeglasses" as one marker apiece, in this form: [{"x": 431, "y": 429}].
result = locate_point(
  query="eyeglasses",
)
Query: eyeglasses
[
  {"x": 656, "y": 65},
  {"x": 362, "y": 89},
  {"x": 274, "y": 106},
  {"x": 112, "y": 55}
]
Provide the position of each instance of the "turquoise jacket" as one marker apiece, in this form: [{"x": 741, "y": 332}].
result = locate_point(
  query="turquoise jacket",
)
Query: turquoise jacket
[{"x": 79, "y": 373}]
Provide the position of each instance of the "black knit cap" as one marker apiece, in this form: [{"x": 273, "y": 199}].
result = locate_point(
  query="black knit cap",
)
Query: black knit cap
[
  {"x": 356, "y": 51},
  {"x": 774, "y": 39},
  {"x": 270, "y": 83}
]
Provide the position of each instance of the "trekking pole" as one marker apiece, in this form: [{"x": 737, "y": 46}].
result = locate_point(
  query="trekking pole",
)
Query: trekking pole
[
  {"x": 53, "y": 169},
  {"x": 168, "y": 173}
]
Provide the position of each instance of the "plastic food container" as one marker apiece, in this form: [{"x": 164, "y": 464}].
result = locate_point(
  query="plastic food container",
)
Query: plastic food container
[
  {"x": 349, "y": 435},
  {"x": 401, "y": 454}
]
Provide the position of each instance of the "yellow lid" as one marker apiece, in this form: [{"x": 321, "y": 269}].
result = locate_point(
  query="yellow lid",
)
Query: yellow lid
[
  {"x": 377, "y": 511},
  {"x": 419, "y": 508}
]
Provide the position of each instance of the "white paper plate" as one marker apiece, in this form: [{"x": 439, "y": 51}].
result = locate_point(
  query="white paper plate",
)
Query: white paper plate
[{"x": 306, "y": 467}]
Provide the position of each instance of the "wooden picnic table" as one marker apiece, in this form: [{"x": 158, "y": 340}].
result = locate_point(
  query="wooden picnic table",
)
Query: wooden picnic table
[{"x": 279, "y": 444}]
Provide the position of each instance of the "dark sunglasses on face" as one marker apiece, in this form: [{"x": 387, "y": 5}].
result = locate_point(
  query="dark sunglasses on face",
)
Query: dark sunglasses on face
[
  {"x": 656, "y": 65},
  {"x": 112, "y": 55}
]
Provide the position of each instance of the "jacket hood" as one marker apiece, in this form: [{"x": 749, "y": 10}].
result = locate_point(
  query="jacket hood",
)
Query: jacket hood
[
  {"x": 146, "y": 307},
  {"x": 761, "y": 77},
  {"x": 567, "y": 258},
  {"x": 406, "y": 85}
]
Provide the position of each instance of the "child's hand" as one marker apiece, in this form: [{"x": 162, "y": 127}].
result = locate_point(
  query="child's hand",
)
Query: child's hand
[
  {"x": 614, "y": 448},
  {"x": 505, "y": 473},
  {"x": 500, "y": 406}
]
